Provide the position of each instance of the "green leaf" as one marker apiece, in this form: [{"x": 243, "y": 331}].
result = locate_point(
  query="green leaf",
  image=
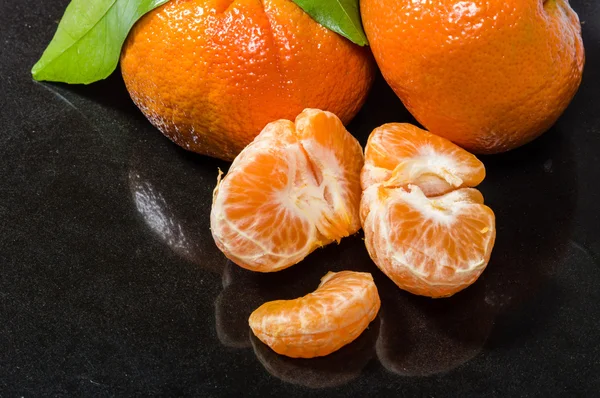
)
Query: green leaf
[
  {"x": 341, "y": 16},
  {"x": 88, "y": 41}
]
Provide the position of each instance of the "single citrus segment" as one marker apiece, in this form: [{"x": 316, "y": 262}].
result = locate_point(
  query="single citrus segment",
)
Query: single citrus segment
[
  {"x": 400, "y": 153},
  {"x": 424, "y": 228},
  {"x": 295, "y": 188},
  {"x": 429, "y": 246},
  {"x": 321, "y": 322}
]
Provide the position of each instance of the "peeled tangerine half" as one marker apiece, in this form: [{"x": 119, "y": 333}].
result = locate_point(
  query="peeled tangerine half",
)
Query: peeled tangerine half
[
  {"x": 295, "y": 188},
  {"x": 424, "y": 226},
  {"x": 321, "y": 322}
]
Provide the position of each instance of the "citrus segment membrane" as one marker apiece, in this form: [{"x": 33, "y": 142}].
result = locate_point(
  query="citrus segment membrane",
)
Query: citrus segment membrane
[
  {"x": 295, "y": 188},
  {"x": 425, "y": 228},
  {"x": 321, "y": 322},
  {"x": 400, "y": 153}
]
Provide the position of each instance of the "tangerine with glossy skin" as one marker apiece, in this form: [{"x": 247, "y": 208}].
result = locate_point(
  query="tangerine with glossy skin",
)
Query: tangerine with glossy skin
[
  {"x": 210, "y": 74},
  {"x": 424, "y": 226},
  {"x": 490, "y": 75},
  {"x": 295, "y": 188},
  {"x": 321, "y": 322}
]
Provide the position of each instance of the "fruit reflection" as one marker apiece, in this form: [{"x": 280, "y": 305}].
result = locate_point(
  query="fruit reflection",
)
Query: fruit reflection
[
  {"x": 151, "y": 204},
  {"x": 532, "y": 191},
  {"x": 419, "y": 336},
  {"x": 233, "y": 307},
  {"x": 172, "y": 192},
  {"x": 332, "y": 370},
  {"x": 244, "y": 291}
]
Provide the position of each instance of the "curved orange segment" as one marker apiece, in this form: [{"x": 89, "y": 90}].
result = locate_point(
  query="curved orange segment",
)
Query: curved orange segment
[
  {"x": 321, "y": 322},
  {"x": 400, "y": 154}
]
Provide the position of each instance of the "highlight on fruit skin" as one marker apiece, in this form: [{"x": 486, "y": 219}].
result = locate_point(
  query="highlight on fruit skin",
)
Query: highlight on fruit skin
[
  {"x": 321, "y": 322},
  {"x": 488, "y": 75},
  {"x": 210, "y": 74},
  {"x": 295, "y": 188},
  {"x": 424, "y": 226}
]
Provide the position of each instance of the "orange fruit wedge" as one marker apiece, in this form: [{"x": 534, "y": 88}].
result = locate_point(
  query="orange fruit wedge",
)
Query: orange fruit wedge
[
  {"x": 400, "y": 153},
  {"x": 295, "y": 188},
  {"x": 321, "y": 322},
  {"x": 425, "y": 228}
]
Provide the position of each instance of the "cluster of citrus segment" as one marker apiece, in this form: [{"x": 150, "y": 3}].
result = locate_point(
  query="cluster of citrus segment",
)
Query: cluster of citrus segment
[
  {"x": 295, "y": 188},
  {"x": 304, "y": 184},
  {"x": 424, "y": 226}
]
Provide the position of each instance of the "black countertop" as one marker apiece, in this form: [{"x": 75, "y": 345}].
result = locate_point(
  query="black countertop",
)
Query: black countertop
[{"x": 111, "y": 284}]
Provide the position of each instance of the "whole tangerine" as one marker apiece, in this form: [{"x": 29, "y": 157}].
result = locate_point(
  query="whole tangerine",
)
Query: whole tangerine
[
  {"x": 490, "y": 75},
  {"x": 210, "y": 74}
]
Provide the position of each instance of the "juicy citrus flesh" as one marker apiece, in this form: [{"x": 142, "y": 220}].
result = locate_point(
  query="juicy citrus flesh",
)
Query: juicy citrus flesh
[
  {"x": 428, "y": 231},
  {"x": 295, "y": 188},
  {"x": 321, "y": 322},
  {"x": 400, "y": 153},
  {"x": 210, "y": 74},
  {"x": 488, "y": 75}
]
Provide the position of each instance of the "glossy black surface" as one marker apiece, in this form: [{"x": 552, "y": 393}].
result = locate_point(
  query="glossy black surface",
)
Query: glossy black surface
[{"x": 111, "y": 284}]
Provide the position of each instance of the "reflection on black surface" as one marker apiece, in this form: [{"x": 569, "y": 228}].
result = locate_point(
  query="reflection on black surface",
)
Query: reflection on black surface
[
  {"x": 240, "y": 296},
  {"x": 532, "y": 190},
  {"x": 233, "y": 307},
  {"x": 335, "y": 369},
  {"x": 421, "y": 336},
  {"x": 151, "y": 204},
  {"x": 244, "y": 291},
  {"x": 176, "y": 209}
]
